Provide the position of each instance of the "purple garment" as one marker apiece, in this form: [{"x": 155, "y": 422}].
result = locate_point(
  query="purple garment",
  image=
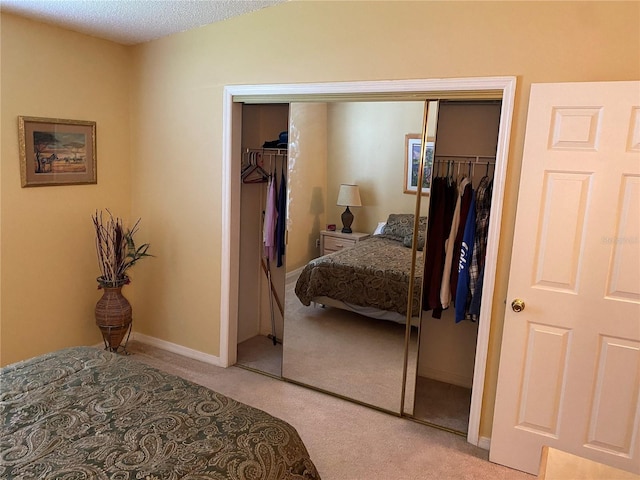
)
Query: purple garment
[{"x": 270, "y": 218}]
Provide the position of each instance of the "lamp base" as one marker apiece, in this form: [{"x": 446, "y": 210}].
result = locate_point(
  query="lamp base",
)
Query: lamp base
[{"x": 347, "y": 220}]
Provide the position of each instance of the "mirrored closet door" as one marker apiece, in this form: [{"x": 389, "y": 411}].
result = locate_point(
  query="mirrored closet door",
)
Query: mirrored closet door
[
  {"x": 411, "y": 356},
  {"x": 330, "y": 342}
]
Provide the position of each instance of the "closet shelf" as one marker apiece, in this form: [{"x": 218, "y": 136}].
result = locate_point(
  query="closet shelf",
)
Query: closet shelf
[
  {"x": 267, "y": 151},
  {"x": 479, "y": 159}
]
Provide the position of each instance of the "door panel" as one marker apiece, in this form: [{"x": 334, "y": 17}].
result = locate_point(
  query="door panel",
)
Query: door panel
[
  {"x": 561, "y": 231},
  {"x": 615, "y": 396},
  {"x": 544, "y": 378},
  {"x": 624, "y": 274},
  {"x": 569, "y": 372}
]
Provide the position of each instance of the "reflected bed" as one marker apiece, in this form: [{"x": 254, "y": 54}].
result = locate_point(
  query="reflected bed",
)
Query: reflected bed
[
  {"x": 370, "y": 278},
  {"x": 87, "y": 413}
]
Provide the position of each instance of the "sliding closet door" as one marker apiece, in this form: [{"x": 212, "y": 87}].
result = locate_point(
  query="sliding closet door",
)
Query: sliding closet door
[{"x": 329, "y": 348}]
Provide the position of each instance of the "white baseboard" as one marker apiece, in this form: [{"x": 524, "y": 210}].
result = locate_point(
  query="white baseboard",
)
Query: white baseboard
[
  {"x": 484, "y": 443},
  {"x": 179, "y": 349}
]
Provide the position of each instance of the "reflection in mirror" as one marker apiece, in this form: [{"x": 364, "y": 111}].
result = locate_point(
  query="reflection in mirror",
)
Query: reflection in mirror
[
  {"x": 345, "y": 307},
  {"x": 465, "y": 149}
]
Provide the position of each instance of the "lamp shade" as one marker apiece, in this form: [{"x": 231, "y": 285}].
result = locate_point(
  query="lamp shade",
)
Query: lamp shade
[{"x": 349, "y": 196}]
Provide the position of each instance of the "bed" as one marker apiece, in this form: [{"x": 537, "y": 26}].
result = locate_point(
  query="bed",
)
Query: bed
[
  {"x": 370, "y": 278},
  {"x": 85, "y": 413}
]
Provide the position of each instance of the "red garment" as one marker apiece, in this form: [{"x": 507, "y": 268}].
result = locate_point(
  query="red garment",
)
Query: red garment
[{"x": 443, "y": 199}]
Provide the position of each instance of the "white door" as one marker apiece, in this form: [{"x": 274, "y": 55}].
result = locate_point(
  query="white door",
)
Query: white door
[{"x": 570, "y": 360}]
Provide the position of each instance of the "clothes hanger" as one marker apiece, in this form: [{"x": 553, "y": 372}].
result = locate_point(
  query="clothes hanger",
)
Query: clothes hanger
[
  {"x": 450, "y": 178},
  {"x": 254, "y": 173}
]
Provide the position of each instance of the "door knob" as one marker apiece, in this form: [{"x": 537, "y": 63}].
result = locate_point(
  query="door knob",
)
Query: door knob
[{"x": 517, "y": 305}]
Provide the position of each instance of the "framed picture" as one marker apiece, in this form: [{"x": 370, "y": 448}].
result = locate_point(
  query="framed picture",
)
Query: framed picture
[
  {"x": 412, "y": 160},
  {"x": 54, "y": 151}
]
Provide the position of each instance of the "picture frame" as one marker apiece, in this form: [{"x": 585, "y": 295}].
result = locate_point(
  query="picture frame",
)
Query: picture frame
[
  {"x": 413, "y": 151},
  {"x": 56, "y": 151}
]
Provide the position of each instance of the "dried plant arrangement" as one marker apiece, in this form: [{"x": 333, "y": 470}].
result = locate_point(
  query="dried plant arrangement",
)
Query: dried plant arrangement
[{"x": 116, "y": 249}]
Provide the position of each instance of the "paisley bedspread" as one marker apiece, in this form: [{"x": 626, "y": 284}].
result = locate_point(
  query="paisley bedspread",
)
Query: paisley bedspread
[
  {"x": 373, "y": 273},
  {"x": 84, "y": 413}
]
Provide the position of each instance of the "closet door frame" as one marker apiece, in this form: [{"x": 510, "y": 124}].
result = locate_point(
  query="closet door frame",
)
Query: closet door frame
[{"x": 233, "y": 98}]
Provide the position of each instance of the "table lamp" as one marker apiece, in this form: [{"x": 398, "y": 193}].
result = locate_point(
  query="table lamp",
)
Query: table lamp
[{"x": 348, "y": 196}]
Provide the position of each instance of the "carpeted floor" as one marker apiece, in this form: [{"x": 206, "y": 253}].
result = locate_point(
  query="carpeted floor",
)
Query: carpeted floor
[
  {"x": 346, "y": 441},
  {"x": 356, "y": 357},
  {"x": 348, "y": 354},
  {"x": 261, "y": 354},
  {"x": 442, "y": 404}
]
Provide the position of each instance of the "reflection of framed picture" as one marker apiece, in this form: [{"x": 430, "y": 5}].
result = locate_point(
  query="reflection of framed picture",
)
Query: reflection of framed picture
[
  {"x": 412, "y": 160},
  {"x": 56, "y": 152}
]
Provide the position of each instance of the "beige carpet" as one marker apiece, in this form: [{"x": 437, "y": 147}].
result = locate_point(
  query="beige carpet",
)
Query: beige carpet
[
  {"x": 346, "y": 353},
  {"x": 443, "y": 404},
  {"x": 261, "y": 354},
  {"x": 346, "y": 441},
  {"x": 356, "y": 357}
]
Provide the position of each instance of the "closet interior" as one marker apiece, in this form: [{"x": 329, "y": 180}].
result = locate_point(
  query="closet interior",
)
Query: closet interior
[
  {"x": 262, "y": 274},
  {"x": 342, "y": 352}
]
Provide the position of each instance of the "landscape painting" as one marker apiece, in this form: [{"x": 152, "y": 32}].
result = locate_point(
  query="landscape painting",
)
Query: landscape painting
[
  {"x": 56, "y": 151},
  {"x": 413, "y": 152}
]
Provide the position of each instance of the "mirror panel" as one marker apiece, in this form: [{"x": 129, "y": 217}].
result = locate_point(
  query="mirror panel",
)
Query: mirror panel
[{"x": 327, "y": 347}]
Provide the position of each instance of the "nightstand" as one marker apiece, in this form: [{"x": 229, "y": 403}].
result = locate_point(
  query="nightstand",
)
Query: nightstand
[{"x": 334, "y": 241}]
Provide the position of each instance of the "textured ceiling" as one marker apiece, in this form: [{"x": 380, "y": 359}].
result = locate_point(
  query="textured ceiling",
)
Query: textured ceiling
[{"x": 132, "y": 21}]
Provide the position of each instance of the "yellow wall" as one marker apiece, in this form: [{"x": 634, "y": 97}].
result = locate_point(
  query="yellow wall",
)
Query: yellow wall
[
  {"x": 47, "y": 246},
  {"x": 367, "y": 148},
  {"x": 176, "y": 130}
]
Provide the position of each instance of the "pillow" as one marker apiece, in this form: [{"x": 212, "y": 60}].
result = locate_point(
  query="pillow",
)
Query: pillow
[
  {"x": 400, "y": 225},
  {"x": 379, "y": 228}
]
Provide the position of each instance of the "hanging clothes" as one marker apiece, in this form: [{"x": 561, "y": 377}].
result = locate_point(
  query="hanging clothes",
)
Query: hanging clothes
[
  {"x": 463, "y": 292},
  {"x": 483, "y": 209},
  {"x": 282, "y": 216},
  {"x": 435, "y": 237},
  {"x": 465, "y": 205},
  {"x": 270, "y": 218},
  {"x": 441, "y": 210},
  {"x": 445, "y": 287}
]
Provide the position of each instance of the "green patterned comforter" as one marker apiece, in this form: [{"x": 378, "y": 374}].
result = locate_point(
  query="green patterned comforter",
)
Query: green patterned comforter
[
  {"x": 373, "y": 273},
  {"x": 83, "y": 413}
]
